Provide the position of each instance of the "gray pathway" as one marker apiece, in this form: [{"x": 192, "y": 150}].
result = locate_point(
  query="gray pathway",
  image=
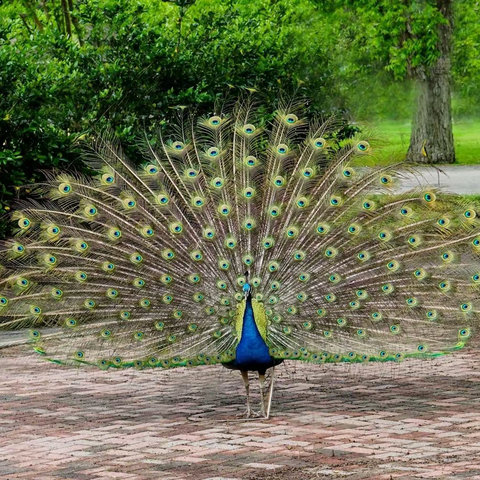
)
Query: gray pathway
[{"x": 460, "y": 179}]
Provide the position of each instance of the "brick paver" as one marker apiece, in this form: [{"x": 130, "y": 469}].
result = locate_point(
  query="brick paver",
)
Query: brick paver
[{"x": 417, "y": 419}]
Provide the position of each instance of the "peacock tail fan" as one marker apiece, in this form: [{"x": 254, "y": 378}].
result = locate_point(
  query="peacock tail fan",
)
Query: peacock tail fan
[{"x": 144, "y": 266}]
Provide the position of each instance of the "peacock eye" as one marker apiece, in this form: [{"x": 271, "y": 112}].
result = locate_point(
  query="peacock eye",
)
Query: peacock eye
[
  {"x": 363, "y": 146},
  {"x": 213, "y": 152}
]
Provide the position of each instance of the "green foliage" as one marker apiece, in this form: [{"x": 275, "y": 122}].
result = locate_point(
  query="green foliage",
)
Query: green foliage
[
  {"x": 129, "y": 63},
  {"x": 466, "y": 64},
  {"x": 398, "y": 35}
]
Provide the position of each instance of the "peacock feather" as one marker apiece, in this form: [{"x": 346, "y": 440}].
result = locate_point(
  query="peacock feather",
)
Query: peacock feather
[{"x": 146, "y": 267}]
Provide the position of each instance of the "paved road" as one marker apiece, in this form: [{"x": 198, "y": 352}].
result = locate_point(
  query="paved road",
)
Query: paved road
[
  {"x": 461, "y": 179},
  {"x": 417, "y": 419}
]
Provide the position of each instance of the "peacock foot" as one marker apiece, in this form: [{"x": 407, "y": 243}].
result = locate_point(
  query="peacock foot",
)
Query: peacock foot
[{"x": 250, "y": 414}]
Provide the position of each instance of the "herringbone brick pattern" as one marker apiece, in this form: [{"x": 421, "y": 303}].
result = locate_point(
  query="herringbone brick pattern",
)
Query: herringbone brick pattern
[{"x": 417, "y": 419}]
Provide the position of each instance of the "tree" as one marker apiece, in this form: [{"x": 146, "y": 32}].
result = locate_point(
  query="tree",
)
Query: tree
[{"x": 411, "y": 39}]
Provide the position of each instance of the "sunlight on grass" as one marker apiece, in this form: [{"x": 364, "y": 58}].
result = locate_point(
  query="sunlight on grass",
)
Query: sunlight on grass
[{"x": 391, "y": 139}]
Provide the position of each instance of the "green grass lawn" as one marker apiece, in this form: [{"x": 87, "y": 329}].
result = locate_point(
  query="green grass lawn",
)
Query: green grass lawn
[{"x": 392, "y": 139}]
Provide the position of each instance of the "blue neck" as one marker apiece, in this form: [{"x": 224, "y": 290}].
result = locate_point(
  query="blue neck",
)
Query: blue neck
[{"x": 252, "y": 351}]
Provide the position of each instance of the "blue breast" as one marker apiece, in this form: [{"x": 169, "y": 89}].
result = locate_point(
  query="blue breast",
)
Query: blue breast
[{"x": 252, "y": 351}]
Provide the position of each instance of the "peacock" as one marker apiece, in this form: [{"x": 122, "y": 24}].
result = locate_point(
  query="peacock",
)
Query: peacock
[{"x": 241, "y": 242}]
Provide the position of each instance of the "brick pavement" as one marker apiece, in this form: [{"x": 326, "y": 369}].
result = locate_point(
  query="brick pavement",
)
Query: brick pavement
[{"x": 417, "y": 419}]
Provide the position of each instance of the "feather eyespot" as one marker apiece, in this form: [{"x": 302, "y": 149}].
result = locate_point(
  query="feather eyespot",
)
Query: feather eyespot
[
  {"x": 464, "y": 333},
  {"x": 176, "y": 228},
  {"x": 213, "y": 152},
  {"x": 163, "y": 199},
  {"x": 282, "y": 149},
  {"x": 89, "y": 304},
  {"x": 335, "y": 201},
  {"x": 299, "y": 255},
  {"x": 291, "y": 119},
  {"x": 178, "y": 146},
  {"x": 319, "y": 143},
  {"x": 323, "y": 228},
  {"x": 136, "y": 258},
  {"x": 224, "y": 264},
  {"x": 292, "y": 232},
  {"x": 363, "y": 146},
  {"x": 444, "y": 285},
  {"x": 420, "y": 273},
  {"x": 147, "y": 232},
  {"x": 249, "y": 192},
  {"x": 215, "y": 121},
  {"x": 217, "y": 182},
  {"x": 65, "y": 188},
  {"x": 387, "y": 288},
  {"x": 406, "y": 211},
  {"x": 443, "y": 222},
  {"x": 466, "y": 307},
  {"x": 108, "y": 179},
  {"x": 334, "y": 278},
  {"x": 308, "y": 172},
  {"x": 53, "y": 230},
  {"x": 151, "y": 169},
  {"x": 273, "y": 266},
  {"x": 230, "y": 243},
  {"x": 24, "y": 223},
  {"x": 429, "y": 197},
  {"x": 304, "y": 277},
  {"x": 279, "y": 181},
  {"x": 18, "y": 248},
  {"x": 302, "y": 202},
  {"x": 224, "y": 210},
  {"x": 363, "y": 256},
  {"x": 249, "y": 128},
  {"x": 330, "y": 297},
  {"x": 268, "y": 242},
  {"x": 168, "y": 254},
  {"x": 191, "y": 173},
  {"x": 129, "y": 203},
  {"x": 81, "y": 276},
  {"x": 112, "y": 293}
]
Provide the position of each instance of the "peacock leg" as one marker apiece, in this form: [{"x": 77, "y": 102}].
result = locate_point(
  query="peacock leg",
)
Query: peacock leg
[
  {"x": 248, "y": 412},
  {"x": 270, "y": 394},
  {"x": 261, "y": 379}
]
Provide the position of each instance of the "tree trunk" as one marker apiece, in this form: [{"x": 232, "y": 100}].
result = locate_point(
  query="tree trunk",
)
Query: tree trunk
[{"x": 431, "y": 140}]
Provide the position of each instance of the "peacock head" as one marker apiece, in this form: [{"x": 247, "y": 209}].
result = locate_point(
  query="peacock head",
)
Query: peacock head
[{"x": 247, "y": 288}]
